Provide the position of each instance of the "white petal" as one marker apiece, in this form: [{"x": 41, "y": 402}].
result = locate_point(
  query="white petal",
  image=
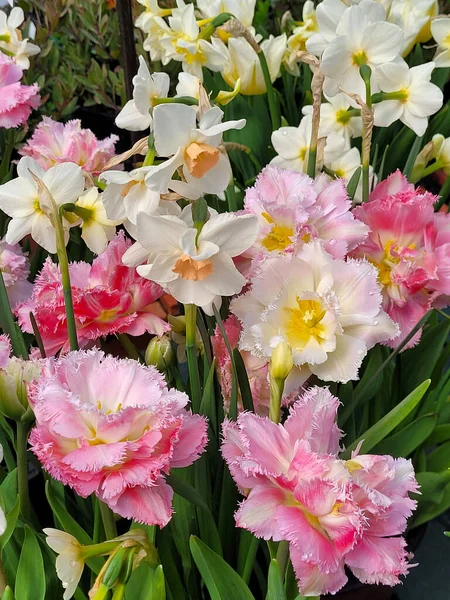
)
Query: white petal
[
  {"x": 135, "y": 255},
  {"x": 65, "y": 182},
  {"x": 28, "y": 165},
  {"x": 287, "y": 142},
  {"x": 233, "y": 234},
  {"x": 214, "y": 181},
  {"x": 97, "y": 236},
  {"x": 43, "y": 233},
  {"x": 440, "y": 28},
  {"x": 158, "y": 177},
  {"x": 173, "y": 124},
  {"x": 132, "y": 119},
  {"x": 161, "y": 270},
  {"x": 160, "y": 233},
  {"x": 121, "y": 177},
  {"x": 343, "y": 364},
  {"x": 17, "y": 198},
  {"x": 225, "y": 279},
  {"x": 190, "y": 292},
  {"x": 383, "y": 41},
  {"x": 18, "y": 229},
  {"x": 442, "y": 59},
  {"x": 113, "y": 202},
  {"x": 392, "y": 77},
  {"x": 140, "y": 199},
  {"x": 387, "y": 112},
  {"x": 417, "y": 124}
]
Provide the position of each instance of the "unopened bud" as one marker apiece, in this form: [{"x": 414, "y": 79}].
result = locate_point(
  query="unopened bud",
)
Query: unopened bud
[
  {"x": 160, "y": 353},
  {"x": 13, "y": 388},
  {"x": 281, "y": 362}
]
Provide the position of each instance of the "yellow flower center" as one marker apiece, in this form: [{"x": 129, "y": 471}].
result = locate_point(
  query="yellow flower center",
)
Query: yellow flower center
[
  {"x": 200, "y": 158},
  {"x": 343, "y": 116},
  {"x": 302, "y": 153},
  {"x": 192, "y": 270},
  {"x": 389, "y": 261},
  {"x": 352, "y": 465},
  {"x": 305, "y": 322},
  {"x": 359, "y": 58},
  {"x": 279, "y": 238},
  {"x": 446, "y": 41}
]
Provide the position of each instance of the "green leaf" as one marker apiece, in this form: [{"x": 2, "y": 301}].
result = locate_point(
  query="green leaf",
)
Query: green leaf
[
  {"x": 409, "y": 438},
  {"x": 389, "y": 422},
  {"x": 9, "y": 490},
  {"x": 30, "y": 579},
  {"x": 222, "y": 581},
  {"x": 244, "y": 385},
  {"x": 434, "y": 510},
  {"x": 415, "y": 149},
  {"x": 146, "y": 584},
  {"x": 440, "y": 434},
  {"x": 275, "y": 587},
  {"x": 68, "y": 522},
  {"x": 186, "y": 491},
  {"x": 439, "y": 459},
  {"x": 11, "y": 522},
  {"x": 8, "y": 594},
  {"x": 352, "y": 185}
]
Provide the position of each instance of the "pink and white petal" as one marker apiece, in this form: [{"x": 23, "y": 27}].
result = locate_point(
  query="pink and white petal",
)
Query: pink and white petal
[
  {"x": 311, "y": 580},
  {"x": 378, "y": 560},
  {"x": 382, "y": 330},
  {"x": 149, "y": 505},
  {"x": 192, "y": 439},
  {"x": 96, "y": 458},
  {"x": 258, "y": 513},
  {"x": 343, "y": 364}
]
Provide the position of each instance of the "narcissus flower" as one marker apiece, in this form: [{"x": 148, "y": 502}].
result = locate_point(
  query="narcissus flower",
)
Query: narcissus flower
[
  {"x": 148, "y": 22},
  {"x": 440, "y": 28},
  {"x": 409, "y": 244},
  {"x": 96, "y": 229},
  {"x": 328, "y": 15},
  {"x": 22, "y": 199},
  {"x": 11, "y": 42},
  {"x": 136, "y": 115},
  {"x": 300, "y": 34},
  {"x": 16, "y": 100},
  {"x": 194, "y": 267},
  {"x": 327, "y": 310},
  {"x": 194, "y": 149},
  {"x": 332, "y": 513},
  {"x": 70, "y": 559},
  {"x": 293, "y": 209},
  {"x": 115, "y": 430},
  {"x": 107, "y": 296},
  {"x": 15, "y": 269},
  {"x": 243, "y": 63},
  {"x": 243, "y": 10},
  {"x": 414, "y": 97},
  {"x": 414, "y": 17},
  {"x": 53, "y": 143},
  {"x": 335, "y": 117}
]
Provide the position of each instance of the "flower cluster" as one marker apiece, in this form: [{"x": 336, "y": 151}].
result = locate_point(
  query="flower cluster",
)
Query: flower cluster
[
  {"x": 108, "y": 298},
  {"x": 11, "y": 42},
  {"x": 333, "y": 513},
  {"x": 53, "y": 143},
  {"x": 114, "y": 429}
]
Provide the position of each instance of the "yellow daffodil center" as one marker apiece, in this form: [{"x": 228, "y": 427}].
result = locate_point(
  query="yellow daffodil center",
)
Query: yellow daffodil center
[
  {"x": 279, "y": 237},
  {"x": 446, "y": 41},
  {"x": 200, "y": 158},
  {"x": 343, "y": 116},
  {"x": 305, "y": 322},
  {"x": 302, "y": 153},
  {"x": 359, "y": 58},
  {"x": 192, "y": 270}
]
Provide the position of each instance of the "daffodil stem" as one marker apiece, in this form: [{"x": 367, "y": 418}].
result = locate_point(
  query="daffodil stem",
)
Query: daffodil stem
[
  {"x": 431, "y": 169},
  {"x": 231, "y": 198},
  {"x": 444, "y": 194},
  {"x": 22, "y": 470},
  {"x": 109, "y": 523},
  {"x": 271, "y": 98},
  {"x": 191, "y": 352},
  {"x": 101, "y": 593},
  {"x": 119, "y": 591},
  {"x": 65, "y": 278},
  {"x": 276, "y": 393}
]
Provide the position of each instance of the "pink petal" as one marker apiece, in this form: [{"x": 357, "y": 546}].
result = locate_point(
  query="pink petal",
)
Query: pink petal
[{"x": 259, "y": 511}]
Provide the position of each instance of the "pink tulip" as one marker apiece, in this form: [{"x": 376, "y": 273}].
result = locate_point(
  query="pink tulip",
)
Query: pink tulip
[{"x": 16, "y": 100}]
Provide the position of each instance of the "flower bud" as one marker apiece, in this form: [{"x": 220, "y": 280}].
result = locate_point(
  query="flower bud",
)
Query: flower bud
[
  {"x": 160, "y": 353},
  {"x": 281, "y": 362},
  {"x": 13, "y": 388}
]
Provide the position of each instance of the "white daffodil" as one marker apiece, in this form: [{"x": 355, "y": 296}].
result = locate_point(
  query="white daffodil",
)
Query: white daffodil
[
  {"x": 147, "y": 22},
  {"x": 194, "y": 149},
  {"x": 300, "y": 34},
  {"x": 344, "y": 166},
  {"x": 243, "y": 10},
  {"x": 328, "y": 311},
  {"x": 136, "y": 115},
  {"x": 413, "y": 17},
  {"x": 96, "y": 229},
  {"x": 22, "y": 200},
  {"x": 181, "y": 41},
  {"x": 194, "y": 267},
  {"x": 328, "y": 15},
  {"x": 188, "y": 85},
  {"x": 440, "y": 28},
  {"x": 70, "y": 560},
  {"x": 442, "y": 152},
  {"x": 414, "y": 97},
  {"x": 335, "y": 117},
  {"x": 363, "y": 38},
  {"x": 126, "y": 195},
  {"x": 243, "y": 63},
  {"x": 292, "y": 146},
  {"x": 11, "y": 41}
]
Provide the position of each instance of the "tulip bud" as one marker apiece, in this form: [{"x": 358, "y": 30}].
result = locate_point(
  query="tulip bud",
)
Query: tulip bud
[
  {"x": 13, "y": 388},
  {"x": 281, "y": 362},
  {"x": 160, "y": 353}
]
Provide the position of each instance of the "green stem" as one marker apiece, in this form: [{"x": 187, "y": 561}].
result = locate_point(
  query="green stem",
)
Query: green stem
[
  {"x": 119, "y": 591},
  {"x": 101, "y": 593},
  {"x": 6, "y": 158},
  {"x": 283, "y": 557},
  {"x": 109, "y": 523},
  {"x": 276, "y": 393},
  {"x": 191, "y": 352},
  {"x": 3, "y": 582},
  {"x": 128, "y": 346},
  {"x": 65, "y": 278},
  {"x": 250, "y": 559},
  {"x": 231, "y": 198},
  {"x": 444, "y": 194},
  {"x": 273, "y": 105},
  {"x": 22, "y": 470},
  {"x": 431, "y": 169}
]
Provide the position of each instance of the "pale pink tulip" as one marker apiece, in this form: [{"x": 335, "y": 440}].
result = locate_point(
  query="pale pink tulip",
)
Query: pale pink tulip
[
  {"x": 112, "y": 427},
  {"x": 15, "y": 269},
  {"x": 16, "y": 100}
]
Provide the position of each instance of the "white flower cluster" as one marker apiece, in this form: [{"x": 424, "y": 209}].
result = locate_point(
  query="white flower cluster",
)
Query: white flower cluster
[{"x": 11, "y": 42}]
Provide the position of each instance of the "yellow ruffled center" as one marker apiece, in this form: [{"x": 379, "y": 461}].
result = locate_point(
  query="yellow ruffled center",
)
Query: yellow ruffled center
[
  {"x": 305, "y": 323},
  {"x": 279, "y": 237}
]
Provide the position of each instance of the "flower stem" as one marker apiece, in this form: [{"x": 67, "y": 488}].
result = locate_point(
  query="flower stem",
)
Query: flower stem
[
  {"x": 65, "y": 278},
  {"x": 366, "y": 74},
  {"x": 109, "y": 523},
  {"x": 276, "y": 393},
  {"x": 101, "y": 593},
  {"x": 119, "y": 591},
  {"x": 431, "y": 169},
  {"x": 3, "y": 581},
  {"x": 191, "y": 352},
  {"x": 271, "y": 98},
  {"x": 444, "y": 194},
  {"x": 283, "y": 557},
  {"x": 22, "y": 470}
]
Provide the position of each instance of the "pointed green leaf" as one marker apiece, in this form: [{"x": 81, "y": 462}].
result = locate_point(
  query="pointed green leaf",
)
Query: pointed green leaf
[
  {"x": 275, "y": 587},
  {"x": 352, "y": 185},
  {"x": 222, "y": 581},
  {"x": 30, "y": 579},
  {"x": 11, "y": 522},
  {"x": 409, "y": 438},
  {"x": 389, "y": 422},
  {"x": 439, "y": 459}
]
